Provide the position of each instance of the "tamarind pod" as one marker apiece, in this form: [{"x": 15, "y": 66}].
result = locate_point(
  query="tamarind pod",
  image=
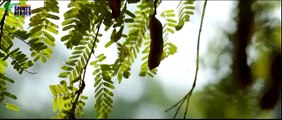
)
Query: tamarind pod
[
  {"x": 156, "y": 46},
  {"x": 271, "y": 97},
  {"x": 115, "y": 7}
]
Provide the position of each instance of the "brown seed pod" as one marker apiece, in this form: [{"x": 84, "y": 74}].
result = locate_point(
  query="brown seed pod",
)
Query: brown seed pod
[
  {"x": 156, "y": 46},
  {"x": 271, "y": 97},
  {"x": 115, "y": 7}
]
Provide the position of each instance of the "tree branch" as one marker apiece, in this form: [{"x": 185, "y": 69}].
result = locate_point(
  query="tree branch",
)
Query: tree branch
[
  {"x": 188, "y": 95},
  {"x": 3, "y": 21},
  {"x": 2, "y": 25},
  {"x": 82, "y": 83}
]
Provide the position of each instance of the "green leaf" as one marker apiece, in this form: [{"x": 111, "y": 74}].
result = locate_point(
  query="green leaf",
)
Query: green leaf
[
  {"x": 36, "y": 29},
  {"x": 66, "y": 37},
  {"x": 126, "y": 74},
  {"x": 48, "y": 41},
  {"x": 189, "y": 7},
  {"x": 171, "y": 21},
  {"x": 55, "y": 17},
  {"x": 43, "y": 59},
  {"x": 11, "y": 21},
  {"x": 51, "y": 87},
  {"x": 60, "y": 103},
  {"x": 109, "y": 43},
  {"x": 171, "y": 24},
  {"x": 55, "y": 104},
  {"x": 68, "y": 27},
  {"x": 64, "y": 74},
  {"x": 68, "y": 21},
  {"x": 84, "y": 97},
  {"x": 93, "y": 63},
  {"x": 67, "y": 68},
  {"x": 128, "y": 20},
  {"x": 76, "y": 79},
  {"x": 118, "y": 34},
  {"x": 36, "y": 10},
  {"x": 99, "y": 56},
  {"x": 170, "y": 15},
  {"x": 179, "y": 25},
  {"x": 10, "y": 95},
  {"x": 50, "y": 37},
  {"x": 51, "y": 29},
  {"x": 169, "y": 11},
  {"x": 130, "y": 14},
  {"x": 12, "y": 107},
  {"x": 49, "y": 23},
  {"x": 170, "y": 30},
  {"x": 109, "y": 85}
]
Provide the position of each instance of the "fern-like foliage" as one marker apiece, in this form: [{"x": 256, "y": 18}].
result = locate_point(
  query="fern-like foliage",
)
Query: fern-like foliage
[
  {"x": 144, "y": 67},
  {"x": 103, "y": 87},
  {"x": 4, "y": 93},
  {"x": 42, "y": 29},
  {"x": 11, "y": 24},
  {"x": 62, "y": 98},
  {"x": 11, "y": 28},
  {"x": 74, "y": 69},
  {"x": 78, "y": 21},
  {"x": 82, "y": 39},
  {"x": 128, "y": 50},
  {"x": 185, "y": 10},
  {"x": 82, "y": 22},
  {"x": 170, "y": 24}
]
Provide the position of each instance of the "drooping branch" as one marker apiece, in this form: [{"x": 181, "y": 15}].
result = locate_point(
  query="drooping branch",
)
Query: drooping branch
[{"x": 188, "y": 95}]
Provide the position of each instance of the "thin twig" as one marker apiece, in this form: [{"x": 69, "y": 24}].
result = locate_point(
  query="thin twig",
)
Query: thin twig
[
  {"x": 82, "y": 82},
  {"x": 2, "y": 21},
  {"x": 2, "y": 25},
  {"x": 187, "y": 96},
  {"x": 155, "y": 7}
]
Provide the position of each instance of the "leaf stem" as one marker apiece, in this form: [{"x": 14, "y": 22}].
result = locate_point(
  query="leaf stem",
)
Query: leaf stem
[{"x": 188, "y": 95}]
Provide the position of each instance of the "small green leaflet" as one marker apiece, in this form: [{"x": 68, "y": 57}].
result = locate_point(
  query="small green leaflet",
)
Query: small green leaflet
[{"x": 12, "y": 107}]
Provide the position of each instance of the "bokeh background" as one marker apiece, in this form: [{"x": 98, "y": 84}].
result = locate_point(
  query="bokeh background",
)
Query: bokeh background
[{"x": 146, "y": 97}]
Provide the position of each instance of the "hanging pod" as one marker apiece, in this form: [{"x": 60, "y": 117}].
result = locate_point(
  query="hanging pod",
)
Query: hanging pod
[
  {"x": 156, "y": 46},
  {"x": 115, "y": 7}
]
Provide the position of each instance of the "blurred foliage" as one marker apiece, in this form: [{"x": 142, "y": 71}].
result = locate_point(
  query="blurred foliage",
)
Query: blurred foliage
[{"x": 224, "y": 98}]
